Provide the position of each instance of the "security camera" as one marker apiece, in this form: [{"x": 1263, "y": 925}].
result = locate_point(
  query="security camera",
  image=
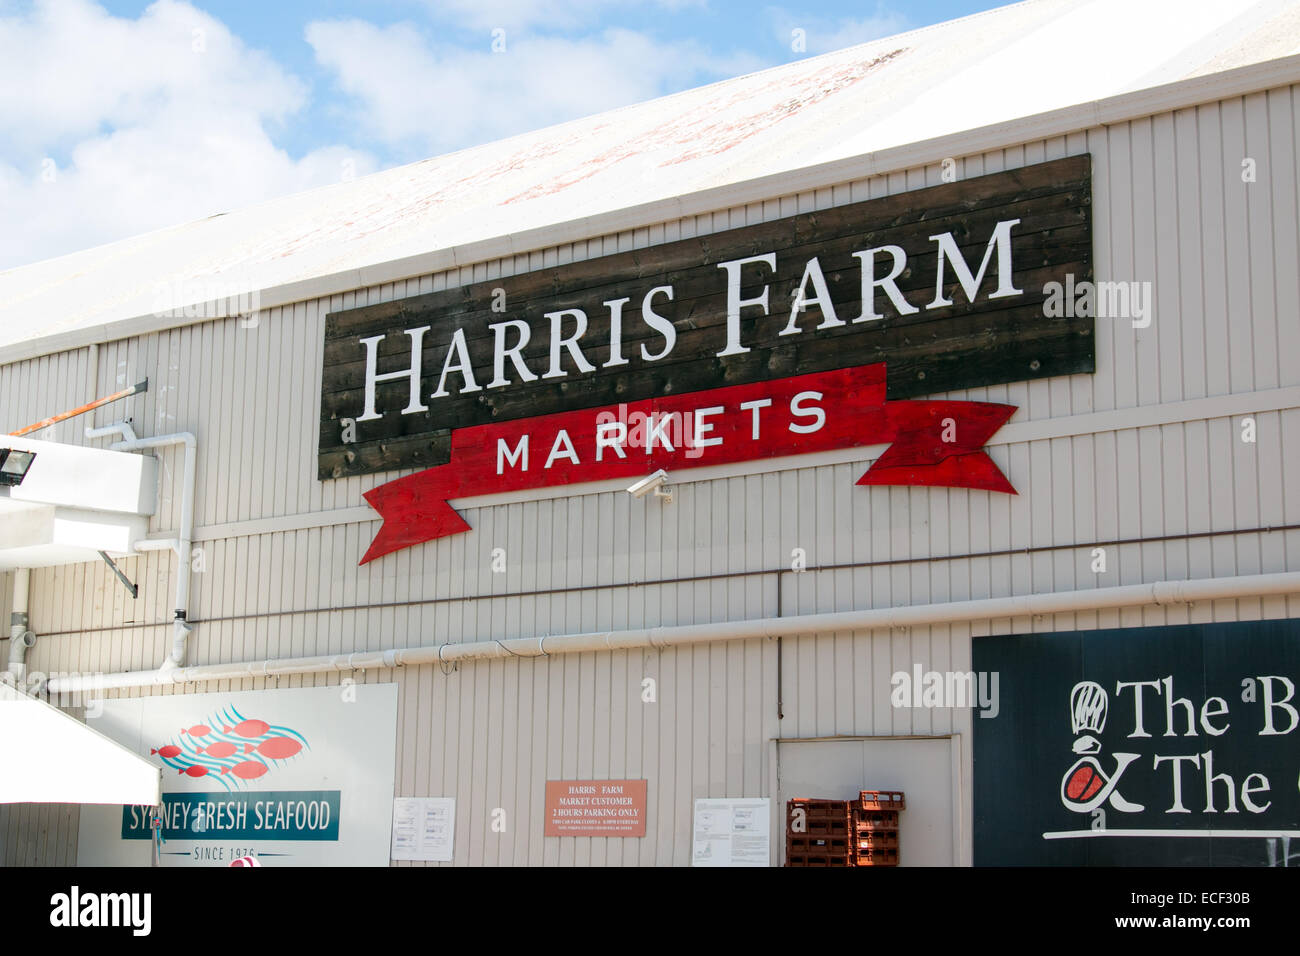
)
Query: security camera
[{"x": 651, "y": 483}]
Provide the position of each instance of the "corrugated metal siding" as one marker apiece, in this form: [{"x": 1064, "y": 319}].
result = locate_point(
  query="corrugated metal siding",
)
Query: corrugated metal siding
[
  {"x": 1170, "y": 208},
  {"x": 33, "y": 834}
]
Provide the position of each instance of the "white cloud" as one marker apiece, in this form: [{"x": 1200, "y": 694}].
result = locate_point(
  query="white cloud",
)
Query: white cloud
[
  {"x": 153, "y": 121},
  {"x": 410, "y": 93},
  {"x": 111, "y": 126},
  {"x": 70, "y": 67}
]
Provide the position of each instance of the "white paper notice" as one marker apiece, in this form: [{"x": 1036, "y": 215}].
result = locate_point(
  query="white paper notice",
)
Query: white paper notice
[
  {"x": 423, "y": 828},
  {"x": 732, "y": 832}
]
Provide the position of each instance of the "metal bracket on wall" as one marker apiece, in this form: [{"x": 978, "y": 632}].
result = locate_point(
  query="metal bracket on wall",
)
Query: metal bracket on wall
[{"x": 133, "y": 588}]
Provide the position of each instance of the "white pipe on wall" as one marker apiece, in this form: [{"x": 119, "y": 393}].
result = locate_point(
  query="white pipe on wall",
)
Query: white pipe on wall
[
  {"x": 1134, "y": 595},
  {"x": 182, "y": 546},
  {"x": 157, "y": 544},
  {"x": 20, "y": 638}
]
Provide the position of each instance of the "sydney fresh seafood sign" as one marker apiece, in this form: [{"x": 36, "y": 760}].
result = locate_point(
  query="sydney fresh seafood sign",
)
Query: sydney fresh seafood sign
[
  {"x": 300, "y": 776},
  {"x": 267, "y": 815},
  {"x": 231, "y": 750}
]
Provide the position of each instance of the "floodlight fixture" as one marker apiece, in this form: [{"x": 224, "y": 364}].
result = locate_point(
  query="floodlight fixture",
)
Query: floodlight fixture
[{"x": 14, "y": 465}]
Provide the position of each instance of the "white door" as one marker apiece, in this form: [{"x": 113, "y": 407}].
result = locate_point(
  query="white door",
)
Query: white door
[{"x": 920, "y": 767}]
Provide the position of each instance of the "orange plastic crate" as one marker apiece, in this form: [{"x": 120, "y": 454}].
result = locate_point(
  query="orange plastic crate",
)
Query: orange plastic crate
[
  {"x": 876, "y": 839},
  {"x": 875, "y": 820},
  {"x": 882, "y": 856},
  {"x": 818, "y": 846},
  {"x": 811, "y": 804},
  {"x": 823, "y": 828},
  {"x": 820, "y": 816},
  {"x": 881, "y": 800},
  {"x": 818, "y": 861}
]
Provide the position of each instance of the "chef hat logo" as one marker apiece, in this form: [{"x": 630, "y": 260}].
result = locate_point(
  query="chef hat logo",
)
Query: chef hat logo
[{"x": 1088, "y": 707}]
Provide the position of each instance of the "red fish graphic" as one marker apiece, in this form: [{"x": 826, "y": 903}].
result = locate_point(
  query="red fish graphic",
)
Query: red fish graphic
[
  {"x": 193, "y": 771},
  {"x": 221, "y": 749},
  {"x": 198, "y": 730},
  {"x": 171, "y": 750},
  {"x": 248, "y": 770},
  {"x": 249, "y": 728},
  {"x": 278, "y": 748}
]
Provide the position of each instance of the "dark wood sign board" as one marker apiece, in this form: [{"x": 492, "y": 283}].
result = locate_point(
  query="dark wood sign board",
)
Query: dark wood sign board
[{"x": 991, "y": 340}]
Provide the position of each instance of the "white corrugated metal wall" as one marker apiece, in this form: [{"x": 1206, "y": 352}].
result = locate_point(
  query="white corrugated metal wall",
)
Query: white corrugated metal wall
[{"x": 279, "y": 548}]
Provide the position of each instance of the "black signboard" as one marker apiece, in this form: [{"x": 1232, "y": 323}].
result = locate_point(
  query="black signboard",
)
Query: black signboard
[
  {"x": 946, "y": 285},
  {"x": 1154, "y": 746}
]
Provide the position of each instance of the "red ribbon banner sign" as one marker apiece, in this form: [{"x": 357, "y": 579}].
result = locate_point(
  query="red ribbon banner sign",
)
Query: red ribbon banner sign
[{"x": 931, "y": 443}]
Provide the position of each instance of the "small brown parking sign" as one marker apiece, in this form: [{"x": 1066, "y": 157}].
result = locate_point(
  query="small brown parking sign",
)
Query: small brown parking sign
[{"x": 595, "y": 808}]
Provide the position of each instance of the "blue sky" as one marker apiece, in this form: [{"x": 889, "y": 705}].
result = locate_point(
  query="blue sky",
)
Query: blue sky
[{"x": 118, "y": 117}]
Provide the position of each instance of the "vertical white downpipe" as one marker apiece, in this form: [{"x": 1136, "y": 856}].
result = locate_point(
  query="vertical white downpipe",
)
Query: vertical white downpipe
[
  {"x": 182, "y": 546},
  {"x": 20, "y": 637}
]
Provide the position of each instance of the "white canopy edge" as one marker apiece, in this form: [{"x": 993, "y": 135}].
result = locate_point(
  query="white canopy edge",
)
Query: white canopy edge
[{"x": 47, "y": 756}]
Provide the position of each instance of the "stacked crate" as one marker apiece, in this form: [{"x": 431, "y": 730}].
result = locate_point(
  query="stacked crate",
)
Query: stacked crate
[
  {"x": 825, "y": 833},
  {"x": 875, "y": 827}
]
